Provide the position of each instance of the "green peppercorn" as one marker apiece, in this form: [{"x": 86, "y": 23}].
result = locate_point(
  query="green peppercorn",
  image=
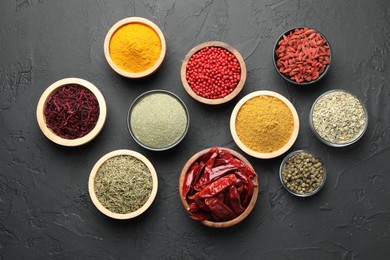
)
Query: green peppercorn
[{"x": 303, "y": 173}]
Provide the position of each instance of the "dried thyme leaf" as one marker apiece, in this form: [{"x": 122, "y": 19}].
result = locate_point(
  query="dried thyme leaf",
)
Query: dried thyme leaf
[
  {"x": 123, "y": 184},
  {"x": 339, "y": 117}
]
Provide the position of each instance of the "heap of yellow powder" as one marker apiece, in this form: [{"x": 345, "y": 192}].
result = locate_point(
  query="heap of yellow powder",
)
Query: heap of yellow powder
[
  {"x": 135, "y": 47},
  {"x": 264, "y": 124}
]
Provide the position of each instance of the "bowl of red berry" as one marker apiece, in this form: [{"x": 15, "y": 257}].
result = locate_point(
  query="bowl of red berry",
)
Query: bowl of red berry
[
  {"x": 213, "y": 73},
  {"x": 218, "y": 187},
  {"x": 302, "y": 56}
]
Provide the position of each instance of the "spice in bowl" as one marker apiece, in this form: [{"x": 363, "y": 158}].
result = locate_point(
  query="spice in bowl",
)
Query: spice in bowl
[
  {"x": 218, "y": 187},
  {"x": 213, "y": 72},
  {"x": 135, "y": 47},
  {"x": 158, "y": 120},
  {"x": 123, "y": 184},
  {"x": 264, "y": 124},
  {"x": 302, "y": 173},
  {"x": 338, "y": 118},
  {"x": 302, "y": 56},
  {"x": 71, "y": 112}
]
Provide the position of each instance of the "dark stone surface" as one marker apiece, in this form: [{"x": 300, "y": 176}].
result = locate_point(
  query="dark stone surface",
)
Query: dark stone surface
[{"x": 45, "y": 210}]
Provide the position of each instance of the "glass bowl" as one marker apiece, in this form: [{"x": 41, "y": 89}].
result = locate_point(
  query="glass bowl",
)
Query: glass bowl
[
  {"x": 334, "y": 144},
  {"x": 133, "y": 134},
  {"x": 282, "y": 165}
]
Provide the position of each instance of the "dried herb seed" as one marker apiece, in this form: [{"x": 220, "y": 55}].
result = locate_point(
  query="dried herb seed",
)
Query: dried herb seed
[
  {"x": 338, "y": 117},
  {"x": 303, "y": 173}
]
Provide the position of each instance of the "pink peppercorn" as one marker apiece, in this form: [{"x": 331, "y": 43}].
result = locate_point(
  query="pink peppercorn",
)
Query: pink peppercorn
[{"x": 213, "y": 72}]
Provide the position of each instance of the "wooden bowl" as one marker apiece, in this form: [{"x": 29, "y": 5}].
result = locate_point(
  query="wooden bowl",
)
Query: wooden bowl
[
  {"x": 246, "y": 149},
  {"x": 128, "y": 21},
  {"x": 208, "y": 222},
  {"x": 91, "y": 184},
  {"x": 71, "y": 142},
  {"x": 226, "y": 98}
]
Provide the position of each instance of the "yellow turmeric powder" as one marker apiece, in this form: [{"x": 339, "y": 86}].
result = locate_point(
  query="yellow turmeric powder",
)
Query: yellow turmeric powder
[
  {"x": 264, "y": 124},
  {"x": 135, "y": 47}
]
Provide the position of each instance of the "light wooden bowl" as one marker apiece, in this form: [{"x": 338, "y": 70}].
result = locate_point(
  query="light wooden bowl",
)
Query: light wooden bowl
[
  {"x": 209, "y": 223},
  {"x": 249, "y": 151},
  {"x": 91, "y": 185},
  {"x": 226, "y": 98},
  {"x": 71, "y": 142},
  {"x": 144, "y": 22}
]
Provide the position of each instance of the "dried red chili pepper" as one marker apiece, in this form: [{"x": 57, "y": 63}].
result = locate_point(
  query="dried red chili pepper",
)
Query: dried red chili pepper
[
  {"x": 207, "y": 155},
  {"x": 249, "y": 187},
  {"x": 201, "y": 216},
  {"x": 197, "y": 174},
  {"x": 219, "y": 209},
  {"x": 223, "y": 157},
  {"x": 221, "y": 171},
  {"x": 217, "y": 173},
  {"x": 193, "y": 207},
  {"x": 189, "y": 179},
  {"x": 249, "y": 193},
  {"x": 205, "y": 177},
  {"x": 215, "y": 187},
  {"x": 242, "y": 167},
  {"x": 218, "y": 176},
  {"x": 234, "y": 200},
  {"x": 201, "y": 205}
]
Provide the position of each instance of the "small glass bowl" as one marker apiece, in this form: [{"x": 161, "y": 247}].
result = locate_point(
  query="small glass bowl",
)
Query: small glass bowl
[
  {"x": 326, "y": 141},
  {"x": 135, "y": 103},
  {"x": 281, "y": 174},
  {"x": 305, "y": 83}
]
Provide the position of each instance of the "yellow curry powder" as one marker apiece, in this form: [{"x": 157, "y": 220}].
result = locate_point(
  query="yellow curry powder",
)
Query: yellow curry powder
[
  {"x": 264, "y": 124},
  {"x": 135, "y": 47}
]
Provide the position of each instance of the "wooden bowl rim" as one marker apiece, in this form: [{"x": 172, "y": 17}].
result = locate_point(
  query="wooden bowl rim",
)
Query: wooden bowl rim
[
  {"x": 226, "y": 98},
  {"x": 239, "y": 218},
  {"x": 276, "y": 153},
  {"x": 91, "y": 184},
  {"x": 71, "y": 142},
  {"x": 126, "y": 21}
]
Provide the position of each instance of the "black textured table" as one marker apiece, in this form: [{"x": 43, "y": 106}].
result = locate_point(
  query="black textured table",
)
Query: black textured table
[{"x": 45, "y": 209}]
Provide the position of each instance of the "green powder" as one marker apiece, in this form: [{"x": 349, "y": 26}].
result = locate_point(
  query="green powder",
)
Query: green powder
[
  {"x": 158, "y": 120},
  {"x": 123, "y": 184}
]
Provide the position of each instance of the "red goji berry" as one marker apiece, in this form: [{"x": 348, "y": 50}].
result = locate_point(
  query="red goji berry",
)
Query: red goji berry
[{"x": 303, "y": 49}]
